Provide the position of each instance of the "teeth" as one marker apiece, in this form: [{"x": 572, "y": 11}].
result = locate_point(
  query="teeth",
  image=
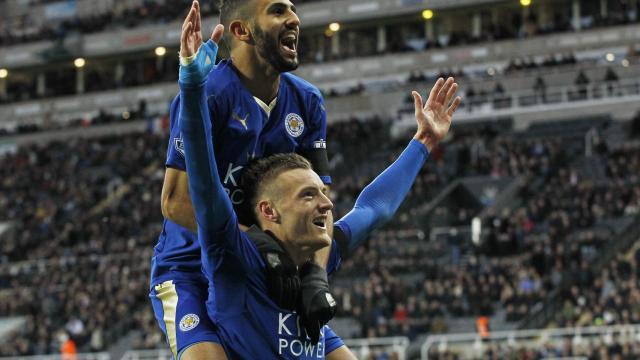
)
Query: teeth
[{"x": 289, "y": 41}]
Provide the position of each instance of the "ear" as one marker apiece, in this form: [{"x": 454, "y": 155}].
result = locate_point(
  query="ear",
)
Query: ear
[
  {"x": 240, "y": 30},
  {"x": 268, "y": 212}
]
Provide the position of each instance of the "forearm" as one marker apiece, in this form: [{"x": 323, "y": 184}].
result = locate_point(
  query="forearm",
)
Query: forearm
[
  {"x": 181, "y": 212},
  {"x": 210, "y": 203},
  {"x": 379, "y": 200}
]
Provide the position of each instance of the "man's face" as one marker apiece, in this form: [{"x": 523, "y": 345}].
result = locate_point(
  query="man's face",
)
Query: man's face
[
  {"x": 276, "y": 28},
  {"x": 304, "y": 208}
]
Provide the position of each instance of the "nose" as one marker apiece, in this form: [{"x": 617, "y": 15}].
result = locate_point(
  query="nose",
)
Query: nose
[
  {"x": 325, "y": 203},
  {"x": 293, "y": 21}
]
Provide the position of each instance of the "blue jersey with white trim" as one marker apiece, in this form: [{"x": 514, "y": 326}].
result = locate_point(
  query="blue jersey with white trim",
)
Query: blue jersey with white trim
[
  {"x": 242, "y": 130},
  {"x": 249, "y": 323}
]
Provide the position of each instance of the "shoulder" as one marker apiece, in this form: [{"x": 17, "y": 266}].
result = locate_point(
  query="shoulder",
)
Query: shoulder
[
  {"x": 302, "y": 86},
  {"x": 221, "y": 79}
]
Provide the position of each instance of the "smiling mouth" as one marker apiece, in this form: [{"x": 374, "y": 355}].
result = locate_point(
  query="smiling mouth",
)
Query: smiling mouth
[
  {"x": 321, "y": 222},
  {"x": 289, "y": 45}
]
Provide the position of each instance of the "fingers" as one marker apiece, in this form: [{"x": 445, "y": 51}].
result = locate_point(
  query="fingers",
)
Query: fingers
[
  {"x": 186, "y": 31},
  {"x": 190, "y": 15},
  {"x": 216, "y": 35},
  {"x": 435, "y": 90},
  {"x": 197, "y": 21},
  {"x": 451, "y": 93},
  {"x": 187, "y": 25},
  {"x": 417, "y": 101},
  {"x": 454, "y": 106},
  {"x": 444, "y": 91}
]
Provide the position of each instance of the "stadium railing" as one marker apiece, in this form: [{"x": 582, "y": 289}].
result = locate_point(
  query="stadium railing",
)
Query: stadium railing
[
  {"x": 83, "y": 356},
  {"x": 529, "y": 105},
  {"x": 492, "y": 105},
  {"x": 156, "y": 354},
  {"x": 362, "y": 348},
  {"x": 471, "y": 345}
]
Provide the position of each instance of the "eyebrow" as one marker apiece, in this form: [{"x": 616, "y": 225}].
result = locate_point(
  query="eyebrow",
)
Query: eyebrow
[
  {"x": 281, "y": 4},
  {"x": 307, "y": 188}
]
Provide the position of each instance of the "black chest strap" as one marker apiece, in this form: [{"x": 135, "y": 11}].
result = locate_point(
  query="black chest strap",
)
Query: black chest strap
[{"x": 281, "y": 273}]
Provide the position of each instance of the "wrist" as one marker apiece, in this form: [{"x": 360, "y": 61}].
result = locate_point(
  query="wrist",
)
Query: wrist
[
  {"x": 428, "y": 141},
  {"x": 187, "y": 60}
]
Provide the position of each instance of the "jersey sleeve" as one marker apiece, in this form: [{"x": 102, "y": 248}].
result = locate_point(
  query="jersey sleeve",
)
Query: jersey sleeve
[
  {"x": 331, "y": 340},
  {"x": 378, "y": 201},
  {"x": 175, "y": 148},
  {"x": 314, "y": 144},
  {"x": 218, "y": 230}
]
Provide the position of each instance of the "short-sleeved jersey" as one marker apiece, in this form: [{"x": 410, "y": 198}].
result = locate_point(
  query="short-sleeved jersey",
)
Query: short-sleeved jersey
[
  {"x": 249, "y": 323},
  {"x": 242, "y": 130}
]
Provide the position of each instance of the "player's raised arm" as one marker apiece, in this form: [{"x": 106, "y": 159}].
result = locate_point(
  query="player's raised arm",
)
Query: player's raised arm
[
  {"x": 379, "y": 200},
  {"x": 211, "y": 204}
]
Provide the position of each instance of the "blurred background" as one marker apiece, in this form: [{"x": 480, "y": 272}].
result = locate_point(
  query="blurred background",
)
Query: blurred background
[{"x": 519, "y": 240}]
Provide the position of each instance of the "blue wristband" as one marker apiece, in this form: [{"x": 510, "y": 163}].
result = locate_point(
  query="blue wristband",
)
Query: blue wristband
[{"x": 197, "y": 71}]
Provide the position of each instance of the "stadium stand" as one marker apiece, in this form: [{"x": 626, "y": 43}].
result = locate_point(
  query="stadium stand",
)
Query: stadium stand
[{"x": 543, "y": 160}]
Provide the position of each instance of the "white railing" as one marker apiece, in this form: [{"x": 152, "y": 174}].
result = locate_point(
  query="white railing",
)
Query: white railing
[
  {"x": 472, "y": 346},
  {"x": 87, "y": 356},
  {"x": 595, "y": 98},
  {"x": 157, "y": 354},
  {"x": 362, "y": 348}
]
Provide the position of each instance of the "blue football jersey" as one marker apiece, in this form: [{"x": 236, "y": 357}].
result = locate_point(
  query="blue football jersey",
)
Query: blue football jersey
[
  {"x": 242, "y": 130},
  {"x": 249, "y": 323}
]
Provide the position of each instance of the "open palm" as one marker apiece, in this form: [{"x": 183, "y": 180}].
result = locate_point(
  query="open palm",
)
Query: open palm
[
  {"x": 191, "y": 37},
  {"x": 434, "y": 117}
]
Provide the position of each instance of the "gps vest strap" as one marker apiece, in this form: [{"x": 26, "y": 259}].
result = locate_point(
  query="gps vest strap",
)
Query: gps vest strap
[{"x": 281, "y": 274}]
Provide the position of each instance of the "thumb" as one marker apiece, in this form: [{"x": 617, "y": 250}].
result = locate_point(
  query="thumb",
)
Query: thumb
[
  {"x": 216, "y": 35},
  {"x": 417, "y": 101}
]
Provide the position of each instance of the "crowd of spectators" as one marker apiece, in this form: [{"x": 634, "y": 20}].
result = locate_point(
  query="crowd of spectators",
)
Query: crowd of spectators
[
  {"x": 23, "y": 29},
  {"x": 399, "y": 283},
  {"x": 65, "y": 232},
  {"x": 146, "y": 71},
  {"x": 528, "y": 251}
]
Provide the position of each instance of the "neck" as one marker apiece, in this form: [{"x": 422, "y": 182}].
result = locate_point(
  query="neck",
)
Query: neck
[
  {"x": 299, "y": 255},
  {"x": 258, "y": 76}
]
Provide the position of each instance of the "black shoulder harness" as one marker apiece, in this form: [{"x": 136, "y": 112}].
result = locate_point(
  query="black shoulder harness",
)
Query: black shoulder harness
[{"x": 281, "y": 273}]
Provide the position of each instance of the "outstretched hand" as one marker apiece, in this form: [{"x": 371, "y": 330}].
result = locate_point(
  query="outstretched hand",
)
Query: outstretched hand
[
  {"x": 434, "y": 118},
  {"x": 197, "y": 59},
  {"x": 191, "y": 37}
]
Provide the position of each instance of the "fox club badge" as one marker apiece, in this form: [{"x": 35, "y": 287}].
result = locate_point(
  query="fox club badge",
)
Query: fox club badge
[
  {"x": 189, "y": 322},
  {"x": 294, "y": 124}
]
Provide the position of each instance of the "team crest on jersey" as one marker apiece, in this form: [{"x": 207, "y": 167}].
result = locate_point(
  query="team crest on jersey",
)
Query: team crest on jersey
[
  {"x": 189, "y": 322},
  {"x": 294, "y": 124},
  {"x": 179, "y": 145}
]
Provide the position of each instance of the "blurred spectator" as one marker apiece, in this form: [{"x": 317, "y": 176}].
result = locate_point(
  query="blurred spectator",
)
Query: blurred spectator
[
  {"x": 68, "y": 349},
  {"x": 611, "y": 79},
  {"x": 540, "y": 89},
  {"x": 582, "y": 84}
]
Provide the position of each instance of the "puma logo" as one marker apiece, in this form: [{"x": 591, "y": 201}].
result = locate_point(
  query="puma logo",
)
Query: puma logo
[{"x": 241, "y": 120}]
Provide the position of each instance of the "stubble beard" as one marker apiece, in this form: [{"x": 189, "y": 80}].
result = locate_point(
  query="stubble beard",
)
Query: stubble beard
[{"x": 269, "y": 49}]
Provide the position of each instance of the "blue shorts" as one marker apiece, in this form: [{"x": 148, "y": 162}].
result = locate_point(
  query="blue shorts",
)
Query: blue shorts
[{"x": 180, "y": 309}]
